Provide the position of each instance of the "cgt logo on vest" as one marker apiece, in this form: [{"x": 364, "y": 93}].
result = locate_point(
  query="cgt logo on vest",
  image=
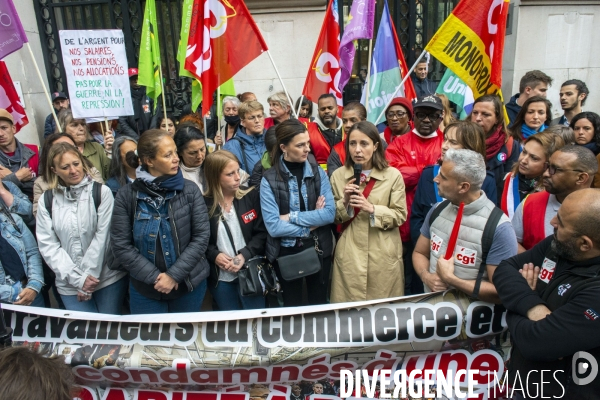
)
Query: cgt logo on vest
[
  {"x": 466, "y": 257},
  {"x": 249, "y": 216}
]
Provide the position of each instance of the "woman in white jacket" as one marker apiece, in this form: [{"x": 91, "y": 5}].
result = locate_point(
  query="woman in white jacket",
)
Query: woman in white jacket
[{"x": 73, "y": 232}]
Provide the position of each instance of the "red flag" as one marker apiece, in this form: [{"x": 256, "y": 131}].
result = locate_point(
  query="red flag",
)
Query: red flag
[
  {"x": 324, "y": 72},
  {"x": 454, "y": 234},
  {"x": 9, "y": 99},
  {"x": 409, "y": 89},
  {"x": 223, "y": 39}
]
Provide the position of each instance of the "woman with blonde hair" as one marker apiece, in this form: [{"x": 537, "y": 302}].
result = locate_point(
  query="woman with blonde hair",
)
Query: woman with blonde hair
[
  {"x": 448, "y": 116},
  {"x": 92, "y": 151},
  {"x": 526, "y": 175},
  {"x": 73, "y": 225},
  {"x": 237, "y": 230}
]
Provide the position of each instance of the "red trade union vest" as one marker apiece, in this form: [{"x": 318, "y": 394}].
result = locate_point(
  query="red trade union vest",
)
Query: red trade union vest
[
  {"x": 34, "y": 161},
  {"x": 319, "y": 146},
  {"x": 340, "y": 149},
  {"x": 534, "y": 212}
]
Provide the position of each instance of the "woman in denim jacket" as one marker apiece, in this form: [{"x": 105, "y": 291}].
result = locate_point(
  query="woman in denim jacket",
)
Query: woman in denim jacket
[
  {"x": 160, "y": 231},
  {"x": 292, "y": 220},
  {"x": 21, "y": 275}
]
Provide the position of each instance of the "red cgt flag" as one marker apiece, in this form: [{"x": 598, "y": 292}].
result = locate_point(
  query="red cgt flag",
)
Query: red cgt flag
[
  {"x": 223, "y": 39},
  {"x": 325, "y": 72},
  {"x": 9, "y": 99}
]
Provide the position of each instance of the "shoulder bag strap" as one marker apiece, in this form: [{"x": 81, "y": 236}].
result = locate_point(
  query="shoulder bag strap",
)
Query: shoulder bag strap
[
  {"x": 97, "y": 194},
  {"x": 243, "y": 147},
  {"x": 437, "y": 211},
  {"x": 486, "y": 243},
  {"x": 365, "y": 193},
  {"x": 48, "y": 197},
  {"x": 226, "y": 225}
]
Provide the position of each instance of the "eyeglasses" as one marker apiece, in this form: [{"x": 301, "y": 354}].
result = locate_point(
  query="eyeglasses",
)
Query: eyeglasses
[
  {"x": 398, "y": 115},
  {"x": 432, "y": 117},
  {"x": 552, "y": 169},
  {"x": 255, "y": 118}
]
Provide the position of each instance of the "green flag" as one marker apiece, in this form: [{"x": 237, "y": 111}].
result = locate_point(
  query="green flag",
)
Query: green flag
[
  {"x": 196, "y": 94},
  {"x": 226, "y": 89},
  {"x": 457, "y": 92},
  {"x": 186, "y": 19},
  {"x": 149, "y": 66}
]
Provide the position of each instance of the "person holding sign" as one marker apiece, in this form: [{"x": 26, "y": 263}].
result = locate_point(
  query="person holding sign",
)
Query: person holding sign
[
  {"x": 486, "y": 239},
  {"x": 92, "y": 151},
  {"x": 368, "y": 259}
]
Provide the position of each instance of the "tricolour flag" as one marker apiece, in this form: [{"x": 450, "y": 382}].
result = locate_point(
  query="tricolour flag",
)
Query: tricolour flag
[
  {"x": 12, "y": 34},
  {"x": 9, "y": 98},
  {"x": 457, "y": 92},
  {"x": 360, "y": 26},
  {"x": 223, "y": 39},
  {"x": 324, "y": 72},
  {"x": 471, "y": 42},
  {"x": 149, "y": 65},
  {"x": 387, "y": 70}
]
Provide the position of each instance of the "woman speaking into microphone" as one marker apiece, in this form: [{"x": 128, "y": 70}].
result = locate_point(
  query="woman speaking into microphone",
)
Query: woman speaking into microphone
[{"x": 368, "y": 257}]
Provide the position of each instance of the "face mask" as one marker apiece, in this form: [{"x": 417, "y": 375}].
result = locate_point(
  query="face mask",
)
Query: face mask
[{"x": 232, "y": 119}]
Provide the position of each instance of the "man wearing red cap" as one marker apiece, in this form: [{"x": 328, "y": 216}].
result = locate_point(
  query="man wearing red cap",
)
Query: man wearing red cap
[
  {"x": 141, "y": 120},
  {"x": 398, "y": 117},
  {"x": 410, "y": 153},
  {"x": 18, "y": 161}
]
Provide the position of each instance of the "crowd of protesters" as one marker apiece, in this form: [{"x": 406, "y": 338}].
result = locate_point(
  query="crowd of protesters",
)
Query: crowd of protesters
[{"x": 147, "y": 215}]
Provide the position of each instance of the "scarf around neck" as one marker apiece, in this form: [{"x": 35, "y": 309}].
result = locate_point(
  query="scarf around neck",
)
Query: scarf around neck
[
  {"x": 157, "y": 186},
  {"x": 494, "y": 143},
  {"x": 527, "y": 131}
]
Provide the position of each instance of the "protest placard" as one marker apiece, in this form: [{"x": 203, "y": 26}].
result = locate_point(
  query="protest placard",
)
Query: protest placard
[{"x": 96, "y": 69}]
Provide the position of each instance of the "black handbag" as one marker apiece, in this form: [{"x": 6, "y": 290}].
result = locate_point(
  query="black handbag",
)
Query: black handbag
[
  {"x": 257, "y": 276},
  {"x": 299, "y": 265}
]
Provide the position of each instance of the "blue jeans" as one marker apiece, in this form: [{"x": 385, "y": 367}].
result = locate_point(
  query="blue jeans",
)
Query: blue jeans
[
  {"x": 190, "y": 302},
  {"x": 228, "y": 297},
  {"x": 108, "y": 300}
]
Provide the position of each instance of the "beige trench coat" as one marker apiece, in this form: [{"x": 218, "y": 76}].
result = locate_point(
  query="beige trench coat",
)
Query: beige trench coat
[{"x": 368, "y": 257}]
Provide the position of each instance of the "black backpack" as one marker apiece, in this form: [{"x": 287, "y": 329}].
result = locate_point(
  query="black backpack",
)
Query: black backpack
[
  {"x": 486, "y": 239},
  {"x": 96, "y": 195}
]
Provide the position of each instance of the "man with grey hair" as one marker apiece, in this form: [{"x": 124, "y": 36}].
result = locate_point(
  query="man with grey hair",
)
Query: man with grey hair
[
  {"x": 485, "y": 237},
  {"x": 280, "y": 109}
]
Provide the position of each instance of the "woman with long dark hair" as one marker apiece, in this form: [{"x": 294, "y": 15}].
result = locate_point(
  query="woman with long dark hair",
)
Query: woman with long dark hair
[
  {"x": 535, "y": 116},
  {"x": 121, "y": 173},
  {"x": 298, "y": 208},
  {"x": 368, "y": 257},
  {"x": 191, "y": 148},
  {"x": 586, "y": 127},
  {"x": 237, "y": 230},
  {"x": 160, "y": 231}
]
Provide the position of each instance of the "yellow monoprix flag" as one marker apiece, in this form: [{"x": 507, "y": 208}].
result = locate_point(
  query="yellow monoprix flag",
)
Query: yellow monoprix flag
[{"x": 471, "y": 42}]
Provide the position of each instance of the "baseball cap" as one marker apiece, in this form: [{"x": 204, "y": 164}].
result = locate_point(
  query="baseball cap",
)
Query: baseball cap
[
  {"x": 132, "y": 72},
  {"x": 5, "y": 115},
  {"x": 404, "y": 102},
  {"x": 59, "y": 95},
  {"x": 430, "y": 101}
]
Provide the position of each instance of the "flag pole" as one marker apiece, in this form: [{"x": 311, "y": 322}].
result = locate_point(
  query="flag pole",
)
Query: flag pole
[
  {"x": 44, "y": 87},
  {"x": 401, "y": 84},
  {"x": 300, "y": 104},
  {"x": 368, "y": 80},
  {"x": 219, "y": 113},
  {"x": 284, "y": 89},
  {"x": 162, "y": 94}
]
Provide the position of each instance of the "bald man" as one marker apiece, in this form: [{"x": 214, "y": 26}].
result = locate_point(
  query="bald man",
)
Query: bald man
[{"x": 552, "y": 293}]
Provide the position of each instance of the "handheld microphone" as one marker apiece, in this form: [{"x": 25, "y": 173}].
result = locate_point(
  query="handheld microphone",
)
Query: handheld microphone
[{"x": 357, "y": 172}]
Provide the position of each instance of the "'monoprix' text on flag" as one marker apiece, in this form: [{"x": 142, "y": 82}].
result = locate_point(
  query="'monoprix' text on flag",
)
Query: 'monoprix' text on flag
[
  {"x": 149, "y": 65},
  {"x": 223, "y": 39},
  {"x": 12, "y": 35},
  {"x": 324, "y": 71},
  {"x": 471, "y": 42},
  {"x": 360, "y": 26},
  {"x": 387, "y": 70}
]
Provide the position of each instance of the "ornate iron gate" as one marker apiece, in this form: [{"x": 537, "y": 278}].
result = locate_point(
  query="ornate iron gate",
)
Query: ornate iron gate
[
  {"x": 416, "y": 21},
  {"x": 55, "y": 15}
]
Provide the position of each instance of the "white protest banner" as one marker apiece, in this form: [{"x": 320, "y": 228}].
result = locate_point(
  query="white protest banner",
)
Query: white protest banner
[{"x": 96, "y": 68}]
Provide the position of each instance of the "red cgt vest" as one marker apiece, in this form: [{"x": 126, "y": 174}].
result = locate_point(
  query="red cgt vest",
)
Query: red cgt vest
[
  {"x": 319, "y": 146},
  {"x": 534, "y": 213}
]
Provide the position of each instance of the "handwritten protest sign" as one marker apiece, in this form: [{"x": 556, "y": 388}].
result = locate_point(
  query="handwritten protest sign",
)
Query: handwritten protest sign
[{"x": 96, "y": 68}]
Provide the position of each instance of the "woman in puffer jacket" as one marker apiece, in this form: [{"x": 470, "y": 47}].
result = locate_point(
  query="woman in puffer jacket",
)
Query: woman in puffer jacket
[
  {"x": 73, "y": 226},
  {"x": 160, "y": 231}
]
